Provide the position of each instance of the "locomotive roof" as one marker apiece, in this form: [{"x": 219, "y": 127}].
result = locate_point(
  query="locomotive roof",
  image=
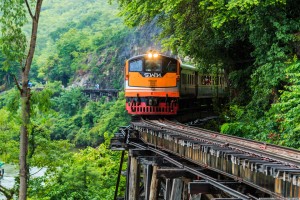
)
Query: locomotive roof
[
  {"x": 184, "y": 66},
  {"x": 144, "y": 55}
]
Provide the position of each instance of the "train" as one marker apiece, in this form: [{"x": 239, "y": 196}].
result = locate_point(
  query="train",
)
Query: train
[{"x": 157, "y": 84}]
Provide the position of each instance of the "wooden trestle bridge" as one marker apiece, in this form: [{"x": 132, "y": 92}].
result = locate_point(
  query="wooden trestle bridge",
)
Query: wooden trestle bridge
[
  {"x": 96, "y": 94},
  {"x": 172, "y": 161}
]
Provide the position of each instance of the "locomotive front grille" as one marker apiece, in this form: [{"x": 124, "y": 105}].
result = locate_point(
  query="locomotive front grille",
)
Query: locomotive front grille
[{"x": 161, "y": 109}]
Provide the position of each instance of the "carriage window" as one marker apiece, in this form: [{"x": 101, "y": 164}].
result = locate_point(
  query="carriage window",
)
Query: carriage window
[
  {"x": 206, "y": 80},
  {"x": 136, "y": 66},
  {"x": 153, "y": 65},
  {"x": 183, "y": 79}
]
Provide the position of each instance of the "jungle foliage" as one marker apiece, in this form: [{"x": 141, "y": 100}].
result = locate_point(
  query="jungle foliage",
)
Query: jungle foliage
[
  {"x": 80, "y": 42},
  {"x": 71, "y": 43},
  {"x": 69, "y": 136},
  {"x": 256, "y": 42}
]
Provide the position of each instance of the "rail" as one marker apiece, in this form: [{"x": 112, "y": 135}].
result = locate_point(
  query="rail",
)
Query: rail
[{"x": 282, "y": 154}]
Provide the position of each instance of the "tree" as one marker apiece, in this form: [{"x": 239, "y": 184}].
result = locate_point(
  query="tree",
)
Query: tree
[
  {"x": 13, "y": 43},
  {"x": 86, "y": 174}
]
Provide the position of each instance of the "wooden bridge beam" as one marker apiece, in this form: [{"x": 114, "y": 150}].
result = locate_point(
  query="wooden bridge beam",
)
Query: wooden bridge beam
[
  {"x": 154, "y": 184},
  {"x": 134, "y": 179},
  {"x": 172, "y": 173}
]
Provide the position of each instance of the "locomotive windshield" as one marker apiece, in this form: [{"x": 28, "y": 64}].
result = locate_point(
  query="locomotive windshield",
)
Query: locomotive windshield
[
  {"x": 160, "y": 64},
  {"x": 153, "y": 65}
]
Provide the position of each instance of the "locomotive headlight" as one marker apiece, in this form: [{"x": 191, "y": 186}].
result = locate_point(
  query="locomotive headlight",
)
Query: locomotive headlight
[
  {"x": 150, "y": 102},
  {"x": 152, "y": 54}
]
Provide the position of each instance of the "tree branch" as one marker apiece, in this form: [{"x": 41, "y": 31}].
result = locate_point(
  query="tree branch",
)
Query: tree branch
[
  {"x": 17, "y": 84},
  {"x": 29, "y": 10},
  {"x": 7, "y": 193},
  {"x": 31, "y": 51}
]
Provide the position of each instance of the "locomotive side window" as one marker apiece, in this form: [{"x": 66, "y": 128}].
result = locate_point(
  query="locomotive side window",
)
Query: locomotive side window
[
  {"x": 136, "y": 66},
  {"x": 170, "y": 65}
]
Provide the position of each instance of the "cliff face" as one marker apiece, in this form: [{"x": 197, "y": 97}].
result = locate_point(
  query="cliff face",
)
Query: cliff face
[{"x": 109, "y": 61}]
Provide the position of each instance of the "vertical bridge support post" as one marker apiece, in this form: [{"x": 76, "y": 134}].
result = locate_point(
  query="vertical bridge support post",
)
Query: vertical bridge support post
[
  {"x": 134, "y": 179},
  {"x": 176, "y": 192},
  {"x": 147, "y": 180},
  {"x": 154, "y": 184},
  {"x": 168, "y": 188}
]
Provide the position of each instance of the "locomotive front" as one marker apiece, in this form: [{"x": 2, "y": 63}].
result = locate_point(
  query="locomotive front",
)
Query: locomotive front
[{"x": 152, "y": 84}]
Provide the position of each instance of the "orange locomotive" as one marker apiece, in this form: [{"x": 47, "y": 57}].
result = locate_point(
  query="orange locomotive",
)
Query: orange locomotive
[{"x": 155, "y": 84}]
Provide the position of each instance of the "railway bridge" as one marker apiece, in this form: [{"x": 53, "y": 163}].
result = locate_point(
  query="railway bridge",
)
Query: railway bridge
[
  {"x": 96, "y": 94},
  {"x": 172, "y": 161}
]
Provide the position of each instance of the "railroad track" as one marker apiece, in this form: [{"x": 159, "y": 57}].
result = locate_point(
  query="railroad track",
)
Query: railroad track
[
  {"x": 269, "y": 168},
  {"x": 281, "y": 154}
]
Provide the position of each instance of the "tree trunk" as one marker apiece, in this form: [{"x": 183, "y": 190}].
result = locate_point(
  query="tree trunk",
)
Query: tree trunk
[
  {"x": 25, "y": 102},
  {"x": 25, "y": 106}
]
